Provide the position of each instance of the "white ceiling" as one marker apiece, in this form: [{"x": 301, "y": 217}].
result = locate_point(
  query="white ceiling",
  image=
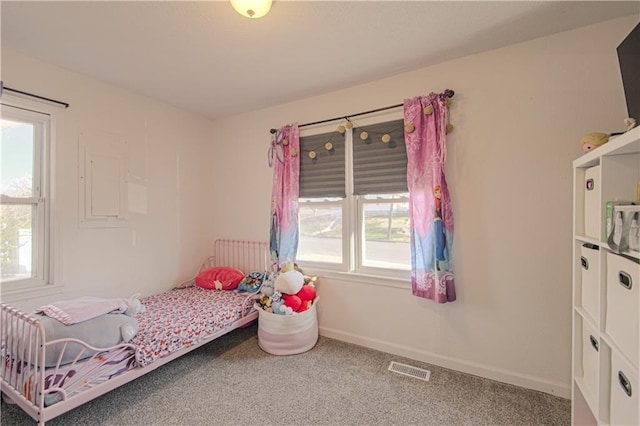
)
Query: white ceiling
[{"x": 203, "y": 57}]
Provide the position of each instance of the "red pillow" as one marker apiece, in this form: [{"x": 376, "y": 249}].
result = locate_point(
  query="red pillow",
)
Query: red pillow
[{"x": 227, "y": 277}]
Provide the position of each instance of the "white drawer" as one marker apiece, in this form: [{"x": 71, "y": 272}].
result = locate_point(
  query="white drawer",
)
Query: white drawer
[
  {"x": 590, "y": 266},
  {"x": 625, "y": 388},
  {"x": 592, "y": 203},
  {"x": 590, "y": 344},
  {"x": 623, "y": 304}
]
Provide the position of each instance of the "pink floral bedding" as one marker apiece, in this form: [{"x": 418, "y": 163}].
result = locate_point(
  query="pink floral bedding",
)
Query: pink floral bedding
[
  {"x": 181, "y": 318},
  {"x": 172, "y": 321}
]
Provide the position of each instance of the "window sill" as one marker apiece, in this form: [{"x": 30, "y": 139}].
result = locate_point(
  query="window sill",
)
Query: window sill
[
  {"x": 18, "y": 294},
  {"x": 360, "y": 278}
]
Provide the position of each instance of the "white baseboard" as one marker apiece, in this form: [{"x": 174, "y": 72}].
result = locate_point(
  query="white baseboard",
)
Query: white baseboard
[{"x": 488, "y": 372}]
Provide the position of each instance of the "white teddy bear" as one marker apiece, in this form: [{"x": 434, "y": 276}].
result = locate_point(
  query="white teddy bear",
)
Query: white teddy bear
[{"x": 289, "y": 282}]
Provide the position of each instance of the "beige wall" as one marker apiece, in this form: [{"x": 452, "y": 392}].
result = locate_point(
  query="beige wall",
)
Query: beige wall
[
  {"x": 163, "y": 156},
  {"x": 519, "y": 113}
]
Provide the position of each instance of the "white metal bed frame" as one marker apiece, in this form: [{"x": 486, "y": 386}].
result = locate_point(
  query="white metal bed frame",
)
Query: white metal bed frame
[{"x": 18, "y": 327}]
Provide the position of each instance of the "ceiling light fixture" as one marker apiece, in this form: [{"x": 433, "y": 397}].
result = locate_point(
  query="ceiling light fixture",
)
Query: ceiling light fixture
[{"x": 252, "y": 8}]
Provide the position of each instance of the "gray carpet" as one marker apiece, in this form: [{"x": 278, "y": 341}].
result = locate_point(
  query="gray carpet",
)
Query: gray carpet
[{"x": 232, "y": 382}]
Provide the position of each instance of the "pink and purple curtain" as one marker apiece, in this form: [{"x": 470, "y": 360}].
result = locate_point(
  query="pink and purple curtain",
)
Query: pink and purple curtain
[
  {"x": 430, "y": 212},
  {"x": 285, "y": 159}
]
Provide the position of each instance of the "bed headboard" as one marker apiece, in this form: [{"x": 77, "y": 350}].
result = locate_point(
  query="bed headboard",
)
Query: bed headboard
[{"x": 248, "y": 256}]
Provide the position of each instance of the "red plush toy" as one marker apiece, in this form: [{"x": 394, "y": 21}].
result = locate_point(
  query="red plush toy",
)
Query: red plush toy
[
  {"x": 306, "y": 294},
  {"x": 302, "y": 300},
  {"x": 292, "y": 301}
]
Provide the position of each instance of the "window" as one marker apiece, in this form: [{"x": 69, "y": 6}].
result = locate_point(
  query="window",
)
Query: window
[
  {"x": 354, "y": 202},
  {"x": 25, "y": 206}
]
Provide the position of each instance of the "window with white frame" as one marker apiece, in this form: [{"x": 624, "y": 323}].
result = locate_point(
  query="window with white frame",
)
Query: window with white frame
[
  {"x": 354, "y": 202},
  {"x": 25, "y": 219}
]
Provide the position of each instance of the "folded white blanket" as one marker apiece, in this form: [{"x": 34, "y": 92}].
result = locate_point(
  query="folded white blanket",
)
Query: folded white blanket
[{"x": 84, "y": 308}]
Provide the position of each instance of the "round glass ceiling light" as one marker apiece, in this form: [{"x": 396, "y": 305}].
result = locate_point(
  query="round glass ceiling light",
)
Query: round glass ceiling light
[{"x": 252, "y": 8}]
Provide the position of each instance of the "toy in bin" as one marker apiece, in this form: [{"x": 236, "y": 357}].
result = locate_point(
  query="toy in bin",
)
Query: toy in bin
[
  {"x": 288, "y": 291},
  {"x": 287, "y": 317},
  {"x": 592, "y": 140}
]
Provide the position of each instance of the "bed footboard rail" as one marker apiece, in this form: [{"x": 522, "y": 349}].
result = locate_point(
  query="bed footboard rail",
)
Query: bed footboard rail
[
  {"x": 22, "y": 368},
  {"x": 42, "y": 385},
  {"x": 87, "y": 369}
]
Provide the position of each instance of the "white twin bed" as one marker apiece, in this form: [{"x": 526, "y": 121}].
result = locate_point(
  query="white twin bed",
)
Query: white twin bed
[{"x": 47, "y": 377}]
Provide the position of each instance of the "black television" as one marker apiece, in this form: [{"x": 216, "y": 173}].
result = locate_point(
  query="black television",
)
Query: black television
[{"x": 629, "y": 60}]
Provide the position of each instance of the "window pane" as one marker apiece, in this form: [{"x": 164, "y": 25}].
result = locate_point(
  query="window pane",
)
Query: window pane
[
  {"x": 16, "y": 250},
  {"x": 17, "y": 158},
  {"x": 386, "y": 235},
  {"x": 320, "y": 233}
]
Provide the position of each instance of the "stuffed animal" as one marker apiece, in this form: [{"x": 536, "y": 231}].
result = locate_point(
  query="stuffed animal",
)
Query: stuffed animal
[
  {"x": 593, "y": 140},
  {"x": 306, "y": 294},
  {"x": 128, "y": 332},
  {"x": 590, "y": 141},
  {"x": 267, "y": 285},
  {"x": 289, "y": 266},
  {"x": 292, "y": 301},
  {"x": 280, "y": 308},
  {"x": 134, "y": 305},
  {"x": 266, "y": 302},
  {"x": 629, "y": 123},
  {"x": 288, "y": 291},
  {"x": 289, "y": 282},
  {"x": 310, "y": 279}
]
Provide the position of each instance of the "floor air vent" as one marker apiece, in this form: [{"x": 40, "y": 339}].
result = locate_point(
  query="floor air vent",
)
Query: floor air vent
[{"x": 409, "y": 370}]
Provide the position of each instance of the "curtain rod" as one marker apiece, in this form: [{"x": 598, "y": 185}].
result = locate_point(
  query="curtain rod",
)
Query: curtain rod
[
  {"x": 3, "y": 88},
  {"x": 449, "y": 93}
]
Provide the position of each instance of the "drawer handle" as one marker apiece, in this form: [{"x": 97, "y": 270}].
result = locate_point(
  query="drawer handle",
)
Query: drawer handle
[
  {"x": 594, "y": 342},
  {"x": 624, "y": 382},
  {"x": 584, "y": 262},
  {"x": 590, "y": 184},
  {"x": 625, "y": 280}
]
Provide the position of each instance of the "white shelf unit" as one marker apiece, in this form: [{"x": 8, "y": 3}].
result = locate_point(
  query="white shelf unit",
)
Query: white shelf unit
[{"x": 606, "y": 311}]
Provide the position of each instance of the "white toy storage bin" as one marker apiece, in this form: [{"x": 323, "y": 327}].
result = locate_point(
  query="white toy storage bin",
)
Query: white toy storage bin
[
  {"x": 592, "y": 205},
  {"x": 625, "y": 387},
  {"x": 590, "y": 347},
  {"x": 623, "y": 304},
  {"x": 590, "y": 264},
  {"x": 288, "y": 334}
]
